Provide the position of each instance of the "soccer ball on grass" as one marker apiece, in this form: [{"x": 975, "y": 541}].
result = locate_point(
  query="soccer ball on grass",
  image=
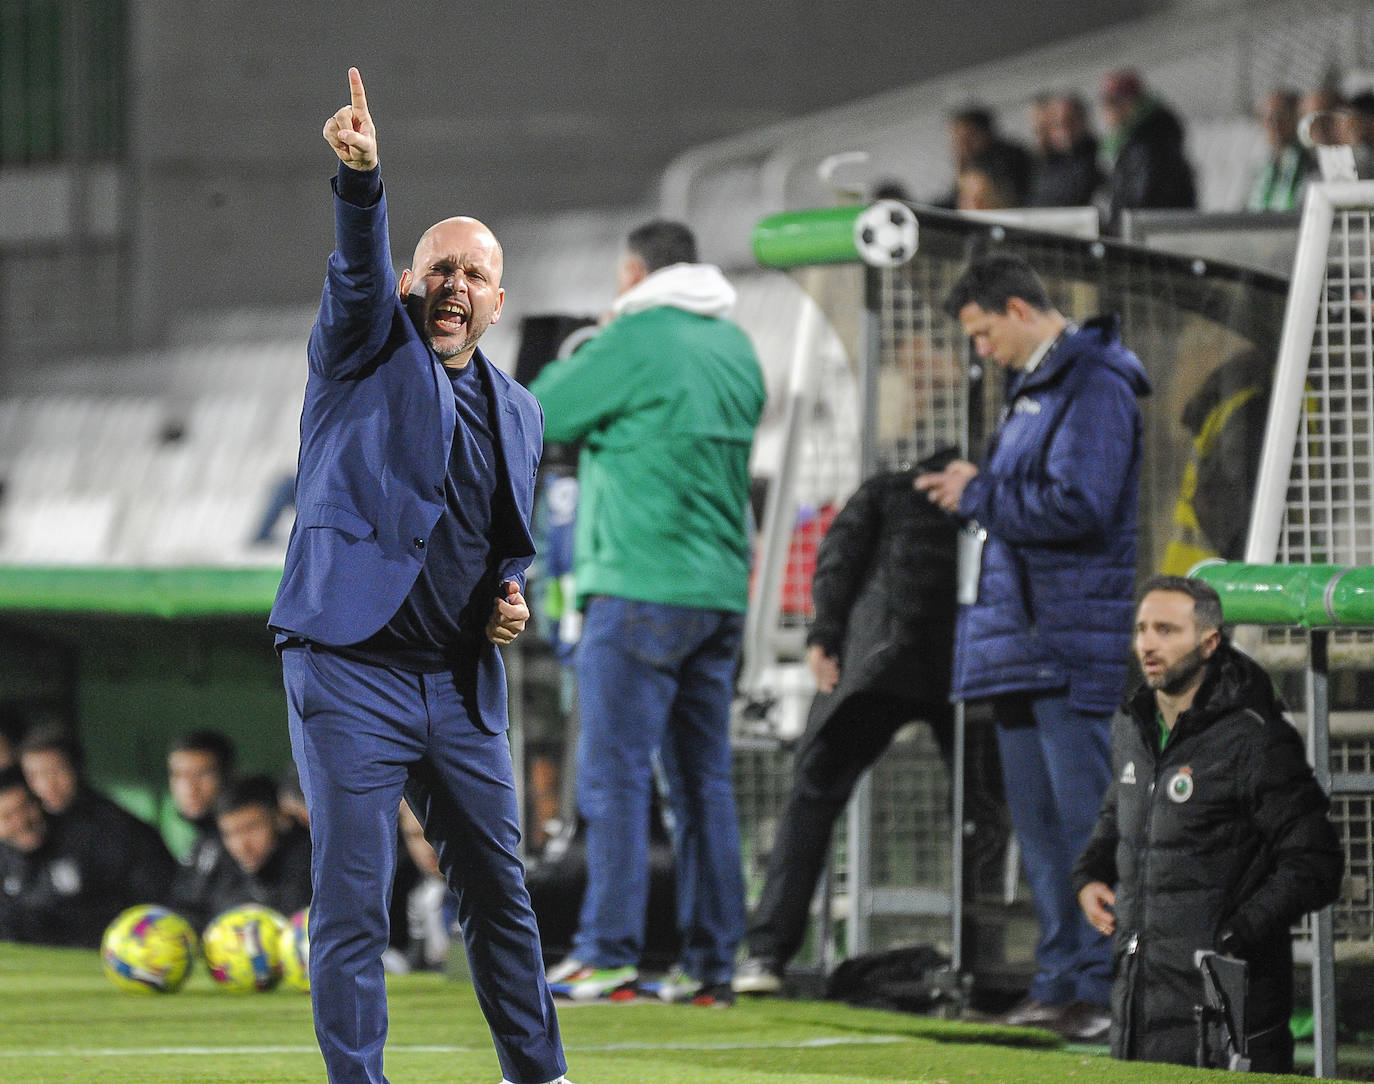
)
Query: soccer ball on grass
[
  {"x": 148, "y": 950},
  {"x": 295, "y": 951},
  {"x": 243, "y": 948}
]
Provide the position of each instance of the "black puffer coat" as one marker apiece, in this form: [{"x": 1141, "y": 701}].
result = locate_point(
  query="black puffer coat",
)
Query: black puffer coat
[
  {"x": 884, "y": 588},
  {"x": 1224, "y": 829}
]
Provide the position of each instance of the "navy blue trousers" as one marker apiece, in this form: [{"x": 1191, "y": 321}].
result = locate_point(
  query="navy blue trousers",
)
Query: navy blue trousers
[{"x": 363, "y": 737}]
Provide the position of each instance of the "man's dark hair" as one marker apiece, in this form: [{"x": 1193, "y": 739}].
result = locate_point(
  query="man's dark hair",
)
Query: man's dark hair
[
  {"x": 251, "y": 790},
  {"x": 12, "y": 778},
  {"x": 991, "y": 281},
  {"x": 662, "y": 243},
  {"x": 1206, "y": 602},
  {"x": 54, "y": 738},
  {"x": 208, "y": 741}
]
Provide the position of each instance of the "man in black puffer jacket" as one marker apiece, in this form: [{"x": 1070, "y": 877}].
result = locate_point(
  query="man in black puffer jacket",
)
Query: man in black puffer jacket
[
  {"x": 880, "y": 648},
  {"x": 1214, "y": 835}
]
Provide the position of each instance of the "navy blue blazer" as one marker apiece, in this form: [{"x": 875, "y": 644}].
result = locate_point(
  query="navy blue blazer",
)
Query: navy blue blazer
[{"x": 376, "y": 432}]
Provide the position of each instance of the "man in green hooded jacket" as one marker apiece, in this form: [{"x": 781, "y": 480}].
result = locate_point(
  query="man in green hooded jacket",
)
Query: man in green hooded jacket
[{"x": 665, "y": 401}]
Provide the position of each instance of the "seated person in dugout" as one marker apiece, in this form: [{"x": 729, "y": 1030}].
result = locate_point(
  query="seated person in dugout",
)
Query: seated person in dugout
[
  {"x": 269, "y": 854},
  {"x": 64, "y": 879},
  {"x": 199, "y": 767}
]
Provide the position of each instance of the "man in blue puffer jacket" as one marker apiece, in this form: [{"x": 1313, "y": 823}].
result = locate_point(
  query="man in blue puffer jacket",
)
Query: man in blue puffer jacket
[{"x": 1048, "y": 638}]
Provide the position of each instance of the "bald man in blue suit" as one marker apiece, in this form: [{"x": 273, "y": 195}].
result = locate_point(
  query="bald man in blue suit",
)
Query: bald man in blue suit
[{"x": 403, "y": 577}]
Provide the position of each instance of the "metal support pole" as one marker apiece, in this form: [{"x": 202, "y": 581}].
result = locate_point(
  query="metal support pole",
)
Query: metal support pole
[
  {"x": 956, "y": 864},
  {"x": 859, "y": 850},
  {"x": 780, "y": 507},
  {"x": 860, "y": 866},
  {"x": 1323, "y": 954}
]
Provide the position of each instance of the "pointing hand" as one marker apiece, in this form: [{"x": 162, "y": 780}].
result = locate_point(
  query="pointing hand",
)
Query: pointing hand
[{"x": 350, "y": 131}]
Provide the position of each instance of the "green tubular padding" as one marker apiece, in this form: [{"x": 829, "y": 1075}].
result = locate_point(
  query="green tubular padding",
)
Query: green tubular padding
[
  {"x": 800, "y": 238},
  {"x": 1308, "y": 596}
]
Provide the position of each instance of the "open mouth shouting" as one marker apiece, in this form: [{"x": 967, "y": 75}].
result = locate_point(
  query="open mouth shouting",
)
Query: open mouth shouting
[{"x": 450, "y": 318}]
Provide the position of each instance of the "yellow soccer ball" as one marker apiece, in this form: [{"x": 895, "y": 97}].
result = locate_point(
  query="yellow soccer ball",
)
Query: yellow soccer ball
[
  {"x": 148, "y": 950},
  {"x": 243, "y": 948},
  {"x": 295, "y": 951}
]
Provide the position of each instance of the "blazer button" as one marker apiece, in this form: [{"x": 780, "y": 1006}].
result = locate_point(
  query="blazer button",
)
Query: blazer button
[{"x": 419, "y": 543}]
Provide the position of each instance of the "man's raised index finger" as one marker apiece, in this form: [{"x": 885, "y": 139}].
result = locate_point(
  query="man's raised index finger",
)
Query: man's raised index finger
[{"x": 355, "y": 86}]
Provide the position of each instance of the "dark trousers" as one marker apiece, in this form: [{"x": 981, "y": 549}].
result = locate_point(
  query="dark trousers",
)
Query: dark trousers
[
  {"x": 841, "y": 741},
  {"x": 1060, "y": 760},
  {"x": 364, "y": 736}
]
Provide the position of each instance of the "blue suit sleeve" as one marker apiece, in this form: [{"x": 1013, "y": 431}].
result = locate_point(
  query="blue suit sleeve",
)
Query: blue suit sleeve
[
  {"x": 516, "y": 568},
  {"x": 1086, "y": 469},
  {"x": 359, "y": 299}
]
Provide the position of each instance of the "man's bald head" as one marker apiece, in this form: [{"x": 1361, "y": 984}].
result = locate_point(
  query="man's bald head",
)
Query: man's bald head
[{"x": 452, "y": 289}]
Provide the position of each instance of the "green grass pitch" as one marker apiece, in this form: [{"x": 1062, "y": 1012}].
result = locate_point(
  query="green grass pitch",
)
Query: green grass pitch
[{"x": 62, "y": 1021}]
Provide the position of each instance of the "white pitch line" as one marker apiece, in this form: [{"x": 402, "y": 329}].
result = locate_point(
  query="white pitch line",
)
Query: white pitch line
[{"x": 221, "y": 1051}]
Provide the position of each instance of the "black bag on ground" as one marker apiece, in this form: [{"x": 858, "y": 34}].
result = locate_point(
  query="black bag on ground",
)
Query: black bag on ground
[{"x": 902, "y": 978}]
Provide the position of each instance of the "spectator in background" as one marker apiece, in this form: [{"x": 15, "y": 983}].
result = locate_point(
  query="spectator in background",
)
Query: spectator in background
[
  {"x": 1319, "y": 99},
  {"x": 270, "y": 853},
  {"x": 1068, "y": 174},
  {"x": 1279, "y": 183},
  {"x": 980, "y": 190},
  {"x": 666, "y": 400},
  {"x": 290, "y": 797},
  {"x": 64, "y": 879},
  {"x": 880, "y": 649},
  {"x": 1144, "y": 144},
  {"x": 431, "y": 908},
  {"x": 199, "y": 766},
  {"x": 1214, "y": 835},
  {"x": 1362, "y": 106},
  {"x": 974, "y": 141},
  {"x": 53, "y": 763},
  {"x": 13, "y": 722},
  {"x": 891, "y": 188},
  {"x": 1039, "y": 115},
  {"x": 1046, "y": 635}
]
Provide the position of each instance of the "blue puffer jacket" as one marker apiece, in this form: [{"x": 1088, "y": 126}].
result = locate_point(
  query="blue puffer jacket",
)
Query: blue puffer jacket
[{"x": 1058, "y": 496}]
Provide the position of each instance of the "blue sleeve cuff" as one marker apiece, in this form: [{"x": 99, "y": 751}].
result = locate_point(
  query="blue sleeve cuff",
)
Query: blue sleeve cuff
[{"x": 362, "y": 188}]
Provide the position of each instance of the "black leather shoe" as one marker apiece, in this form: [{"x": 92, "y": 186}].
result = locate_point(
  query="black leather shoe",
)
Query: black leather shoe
[
  {"x": 1030, "y": 1013},
  {"x": 1084, "y": 1022}
]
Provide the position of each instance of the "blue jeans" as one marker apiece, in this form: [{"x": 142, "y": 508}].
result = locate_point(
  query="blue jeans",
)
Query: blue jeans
[
  {"x": 362, "y": 737},
  {"x": 656, "y": 679},
  {"x": 1056, "y": 764}
]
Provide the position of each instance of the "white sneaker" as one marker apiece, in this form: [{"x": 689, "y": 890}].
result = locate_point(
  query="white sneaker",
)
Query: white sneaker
[
  {"x": 561, "y": 972},
  {"x": 757, "y": 976},
  {"x": 590, "y": 983},
  {"x": 675, "y": 986}
]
